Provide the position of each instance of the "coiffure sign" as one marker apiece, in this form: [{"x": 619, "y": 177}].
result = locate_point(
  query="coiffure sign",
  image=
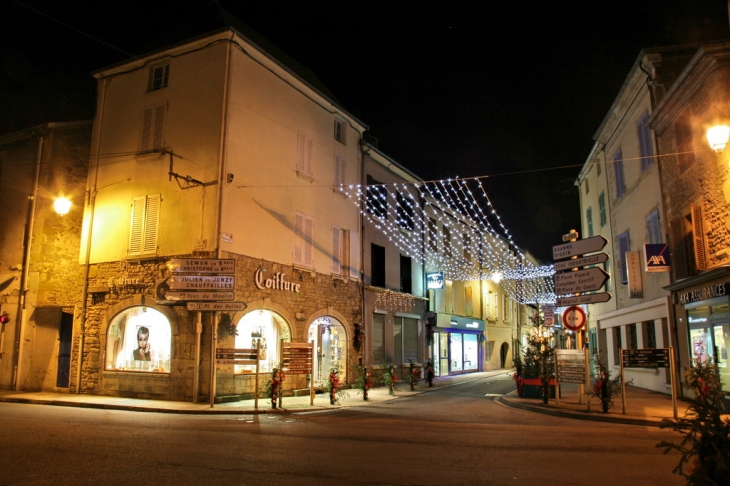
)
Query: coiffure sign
[
  {"x": 704, "y": 293},
  {"x": 277, "y": 281}
]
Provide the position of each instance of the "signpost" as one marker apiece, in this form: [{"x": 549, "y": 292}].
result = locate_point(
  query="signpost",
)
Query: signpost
[
  {"x": 580, "y": 247},
  {"x": 584, "y": 299},
  {"x": 202, "y": 265},
  {"x": 216, "y": 306},
  {"x": 573, "y": 366},
  {"x": 242, "y": 356},
  {"x": 574, "y": 318},
  {"x": 586, "y": 280},
  {"x": 581, "y": 262},
  {"x": 648, "y": 358},
  {"x": 200, "y": 282},
  {"x": 184, "y": 296},
  {"x": 298, "y": 359}
]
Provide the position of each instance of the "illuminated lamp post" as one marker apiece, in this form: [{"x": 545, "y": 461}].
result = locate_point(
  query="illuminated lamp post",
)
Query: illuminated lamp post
[{"x": 717, "y": 137}]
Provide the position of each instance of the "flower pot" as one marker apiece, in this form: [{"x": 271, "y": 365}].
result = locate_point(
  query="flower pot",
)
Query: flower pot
[{"x": 532, "y": 388}]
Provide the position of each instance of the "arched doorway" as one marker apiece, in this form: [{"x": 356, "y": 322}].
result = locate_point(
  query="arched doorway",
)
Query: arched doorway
[
  {"x": 330, "y": 346},
  {"x": 268, "y": 329},
  {"x": 503, "y": 351}
]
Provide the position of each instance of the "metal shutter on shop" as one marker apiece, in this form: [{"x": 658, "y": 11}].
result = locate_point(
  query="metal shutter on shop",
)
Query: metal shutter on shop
[{"x": 410, "y": 339}]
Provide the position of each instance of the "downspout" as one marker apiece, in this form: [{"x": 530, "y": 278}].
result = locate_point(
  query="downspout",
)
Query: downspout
[
  {"x": 87, "y": 258},
  {"x": 22, "y": 308},
  {"x": 363, "y": 200},
  {"x": 219, "y": 216}
]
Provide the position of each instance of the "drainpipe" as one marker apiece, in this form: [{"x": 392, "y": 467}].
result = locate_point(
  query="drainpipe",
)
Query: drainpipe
[{"x": 23, "y": 304}]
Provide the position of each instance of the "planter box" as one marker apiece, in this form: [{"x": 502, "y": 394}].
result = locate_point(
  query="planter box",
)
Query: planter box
[{"x": 532, "y": 388}]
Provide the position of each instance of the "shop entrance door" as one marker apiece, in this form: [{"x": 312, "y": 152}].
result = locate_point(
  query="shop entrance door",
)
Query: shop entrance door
[{"x": 64, "y": 350}]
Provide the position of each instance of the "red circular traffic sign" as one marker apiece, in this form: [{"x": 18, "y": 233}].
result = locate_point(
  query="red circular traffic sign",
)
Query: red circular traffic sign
[{"x": 574, "y": 318}]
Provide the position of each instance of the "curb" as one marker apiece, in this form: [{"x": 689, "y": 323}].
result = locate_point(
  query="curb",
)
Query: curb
[{"x": 577, "y": 414}]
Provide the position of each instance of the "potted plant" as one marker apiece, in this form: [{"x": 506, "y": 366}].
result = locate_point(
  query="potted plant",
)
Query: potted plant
[{"x": 605, "y": 388}]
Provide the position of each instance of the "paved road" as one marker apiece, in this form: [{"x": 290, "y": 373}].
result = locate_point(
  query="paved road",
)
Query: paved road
[{"x": 452, "y": 436}]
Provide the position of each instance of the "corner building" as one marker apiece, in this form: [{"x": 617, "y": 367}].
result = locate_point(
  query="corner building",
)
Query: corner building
[{"x": 216, "y": 148}]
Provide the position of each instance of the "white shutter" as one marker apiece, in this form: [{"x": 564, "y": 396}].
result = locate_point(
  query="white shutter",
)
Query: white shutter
[
  {"x": 308, "y": 238},
  {"x": 304, "y": 154},
  {"x": 339, "y": 172},
  {"x": 298, "y": 238},
  {"x": 151, "y": 224},
  {"x": 153, "y": 126},
  {"x": 337, "y": 250},
  {"x": 159, "y": 126},
  {"x": 136, "y": 231},
  {"x": 354, "y": 254}
]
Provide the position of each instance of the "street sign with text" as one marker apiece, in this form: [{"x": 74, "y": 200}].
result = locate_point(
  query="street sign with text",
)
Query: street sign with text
[
  {"x": 581, "y": 262},
  {"x": 201, "y": 282},
  {"x": 183, "y": 296},
  {"x": 584, "y": 299},
  {"x": 216, "y": 306},
  {"x": 586, "y": 280},
  {"x": 202, "y": 265},
  {"x": 646, "y": 358},
  {"x": 580, "y": 247}
]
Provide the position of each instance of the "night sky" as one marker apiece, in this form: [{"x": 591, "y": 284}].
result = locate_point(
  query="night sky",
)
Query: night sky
[{"x": 514, "y": 92}]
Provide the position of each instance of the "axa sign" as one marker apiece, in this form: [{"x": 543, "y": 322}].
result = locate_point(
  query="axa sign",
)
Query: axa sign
[{"x": 656, "y": 258}]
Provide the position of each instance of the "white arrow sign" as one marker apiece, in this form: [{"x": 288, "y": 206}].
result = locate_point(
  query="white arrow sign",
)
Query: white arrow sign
[
  {"x": 202, "y": 265},
  {"x": 215, "y": 306},
  {"x": 584, "y": 299},
  {"x": 173, "y": 295},
  {"x": 581, "y": 262},
  {"x": 201, "y": 282},
  {"x": 580, "y": 247},
  {"x": 585, "y": 280}
]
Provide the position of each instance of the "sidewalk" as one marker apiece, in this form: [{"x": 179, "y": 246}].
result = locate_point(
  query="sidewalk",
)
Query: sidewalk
[{"x": 643, "y": 407}]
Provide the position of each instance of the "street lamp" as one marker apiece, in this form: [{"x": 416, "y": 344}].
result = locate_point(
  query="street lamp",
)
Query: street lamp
[
  {"x": 62, "y": 206},
  {"x": 718, "y": 136}
]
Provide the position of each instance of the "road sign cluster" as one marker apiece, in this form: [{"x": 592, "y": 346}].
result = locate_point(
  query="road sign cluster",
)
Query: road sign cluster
[{"x": 572, "y": 278}]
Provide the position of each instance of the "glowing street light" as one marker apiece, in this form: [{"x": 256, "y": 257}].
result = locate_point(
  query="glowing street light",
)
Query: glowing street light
[
  {"x": 62, "y": 206},
  {"x": 718, "y": 136}
]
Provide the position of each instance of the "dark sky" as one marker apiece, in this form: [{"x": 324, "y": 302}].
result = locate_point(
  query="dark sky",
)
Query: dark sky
[{"x": 513, "y": 91}]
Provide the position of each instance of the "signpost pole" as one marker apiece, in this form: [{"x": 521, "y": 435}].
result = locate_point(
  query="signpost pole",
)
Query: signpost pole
[
  {"x": 256, "y": 390},
  {"x": 196, "y": 371},
  {"x": 623, "y": 381},
  {"x": 673, "y": 380},
  {"x": 588, "y": 377},
  {"x": 311, "y": 374},
  {"x": 213, "y": 345}
]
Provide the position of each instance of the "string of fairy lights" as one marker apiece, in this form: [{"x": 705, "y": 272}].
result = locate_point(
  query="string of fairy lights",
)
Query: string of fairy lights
[{"x": 451, "y": 226}]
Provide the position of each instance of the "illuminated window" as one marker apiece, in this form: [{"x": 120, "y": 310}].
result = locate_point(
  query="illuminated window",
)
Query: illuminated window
[
  {"x": 139, "y": 339},
  {"x": 265, "y": 329}
]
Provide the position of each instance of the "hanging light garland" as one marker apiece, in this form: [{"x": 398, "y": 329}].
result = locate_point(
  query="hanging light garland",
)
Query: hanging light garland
[{"x": 473, "y": 243}]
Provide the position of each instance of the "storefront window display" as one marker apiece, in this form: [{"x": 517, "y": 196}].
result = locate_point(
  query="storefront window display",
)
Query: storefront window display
[
  {"x": 266, "y": 328},
  {"x": 139, "y": 339},
  {"x": 471, "y": 353},
  {"x": 456, "y": 352},
  {"x": 329, "y": 340}
]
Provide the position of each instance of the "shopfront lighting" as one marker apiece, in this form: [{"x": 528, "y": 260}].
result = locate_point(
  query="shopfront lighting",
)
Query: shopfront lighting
[
  {"x": 62, "y": 205},
  {"x": 718, "y": 136}
]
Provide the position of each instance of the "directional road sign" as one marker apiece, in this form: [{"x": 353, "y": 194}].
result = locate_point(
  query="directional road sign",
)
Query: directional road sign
[
  {"x": 178, "y": 296},
  {"x": 646, "y": 358},
  {"x": 201, "y": 282},
  {"x": 585, "y": 280},
  {"x": 215, "y": 306},
  {"x": 581, "y": 262},
  {"x": 580, "y": 247},
  {"x": 584, "y": 299},
  {"x": 202, "y": 265}
]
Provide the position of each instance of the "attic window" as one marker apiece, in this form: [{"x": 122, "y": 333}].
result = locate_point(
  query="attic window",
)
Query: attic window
[
  {"x": 158, "y": 77},
  {"x": 340, "y": 131}
]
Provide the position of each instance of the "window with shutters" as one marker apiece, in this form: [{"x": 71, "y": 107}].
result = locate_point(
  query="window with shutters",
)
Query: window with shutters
[
  {"x": 153, "y": 128},
  {"x": 447, "y": 240},
  {"x": 698, "y": 240},
  {"x": 467, "y": 248},
  {"x": 305, "y": 149},
  {"x": 408, "y": 339},
  {"x": 618, "y": 166},
  {"x": 468, "y": 301},
  {"x": 377, "y": 198},
  {"x": 340, "y": 133},
  {"x": 404, "y": 211},
  {"x": 683, "y": 141},
  {"x": 433, "y": 235},
  {"x": 377, "y": 265},
  {"x": 158, "y": 76},
  {"x": 144, "y": 227},
  {"x": 505, "y": 308},
  {"x": 378, "y": 339},
  {"x": 688, "y": 245},
  {"x": 602, "y": 209},
  {"x": 589, "y": 221},
  {"x": 354, "y": 254},
  {"x": 339, "y": 173},
  {"x": 646, "y": 149},
  {"x": 623, "y": 247},
  {"x": 653, "y": 231},
  {"x": 303, "y": 236},
  {"x": 406, "y": 275},
  {"x": 340, "y": 250}
]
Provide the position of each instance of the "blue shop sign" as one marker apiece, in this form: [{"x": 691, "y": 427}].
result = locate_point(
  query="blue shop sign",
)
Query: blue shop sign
[{"x": 434, "y": 280}]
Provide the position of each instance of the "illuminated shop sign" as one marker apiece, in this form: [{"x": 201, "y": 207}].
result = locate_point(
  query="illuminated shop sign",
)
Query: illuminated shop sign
[
  {"x": 702, "y": 294},
  {"x": 277, "y": 282},
  {"x": 456, "y": 322},
  {"x": 435, "y": 280}
]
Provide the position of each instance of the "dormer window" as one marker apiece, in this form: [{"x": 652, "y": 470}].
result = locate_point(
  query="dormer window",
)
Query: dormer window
[{"x": 340, "y": 131}]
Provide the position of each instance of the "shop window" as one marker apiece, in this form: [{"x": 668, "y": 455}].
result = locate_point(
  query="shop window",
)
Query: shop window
[
  {"x": 471, "y": 352},
  {"x": 378, "y": 339},
  {"x": 330, "y": 341},
  {"x": 650, "y": 330},
  {"x": 457, "y": 351},
  {"x": 139, "y": 339},
  {"x": 264, "y": 329},
  {"x": 633, "y": 337}
]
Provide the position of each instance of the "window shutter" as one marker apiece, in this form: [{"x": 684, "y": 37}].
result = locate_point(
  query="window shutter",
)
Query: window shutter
[
  {"x": 336, "y": 250},
  {"x": 653, "y": 230},
  {"x": 136, "y": 232},
  {"x": 618, "y": 163},
  {"x": 623, "y": 247},
  {"x": 698, "y": 238},
  {"x": 308, "y": 230},
  {"x": 151, "y": 224},
  {"x": 159, "y": 126},
  {"x": 354, "y": 254},
  {"x": 304, "y": 155},
  {"x": 589, "y": 221},
  {"x": 468, "y": 301},
  {"x": 410, "y": 339},
  {"x": 645, "y": 146},
  {"x": 679, "y": 249},
  {"x": 153, "y": 125},
  {"x": 339, "y": 176},
  {"x": 378, "y": 339}
]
